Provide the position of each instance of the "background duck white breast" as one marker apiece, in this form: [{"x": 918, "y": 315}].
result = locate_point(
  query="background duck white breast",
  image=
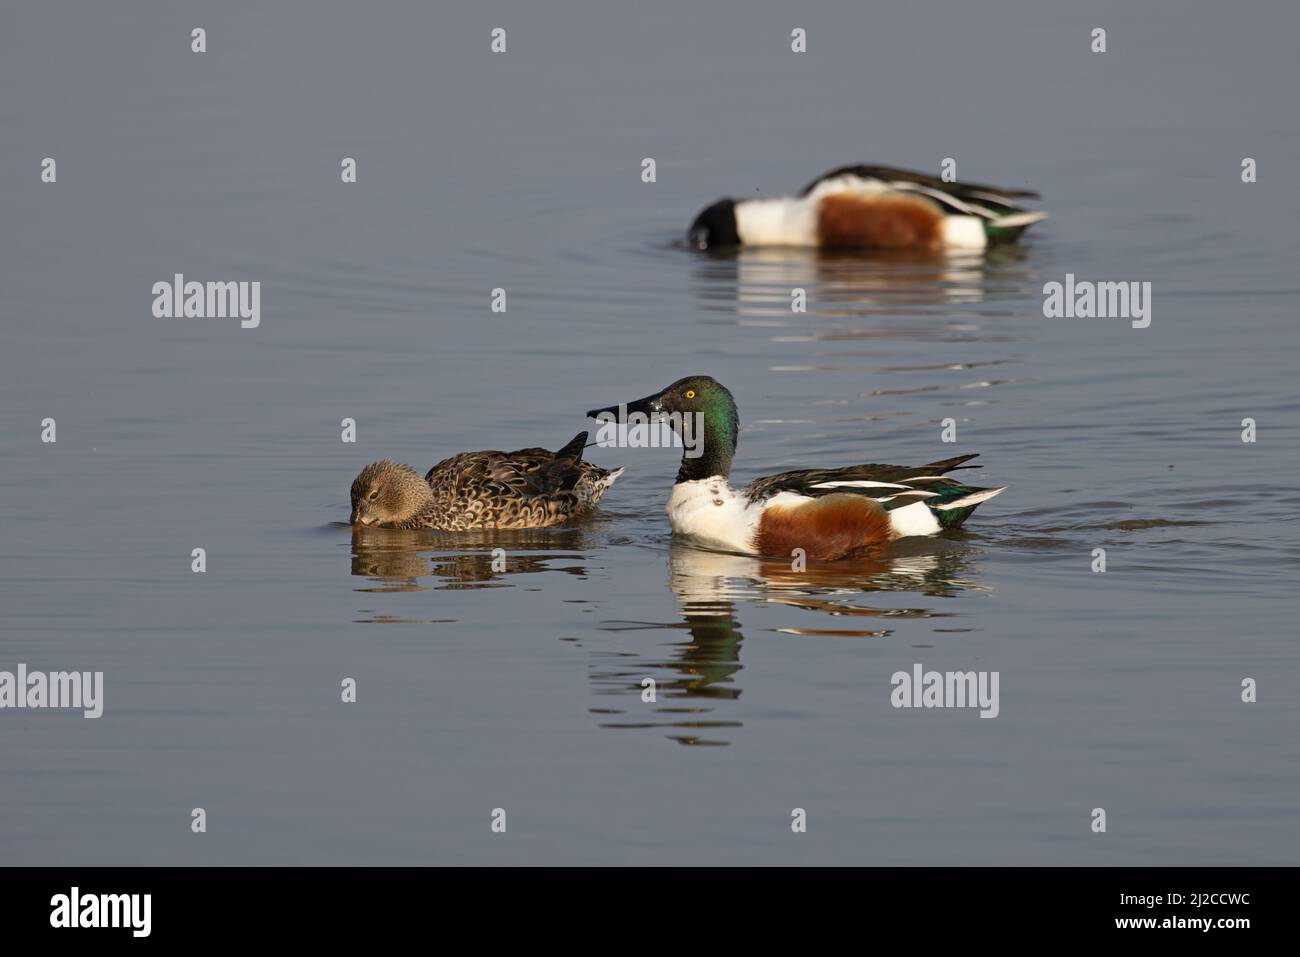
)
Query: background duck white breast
[{"x": 784, "y": 221}]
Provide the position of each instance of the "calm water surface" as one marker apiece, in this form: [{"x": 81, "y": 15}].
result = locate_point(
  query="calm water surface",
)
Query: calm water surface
[{"x": 521, "y": 689}]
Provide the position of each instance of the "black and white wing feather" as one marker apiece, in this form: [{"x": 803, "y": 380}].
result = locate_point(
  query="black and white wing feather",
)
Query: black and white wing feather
[
  {"x": 891, "y": 485},
  {"x": 968, "y": 199}
]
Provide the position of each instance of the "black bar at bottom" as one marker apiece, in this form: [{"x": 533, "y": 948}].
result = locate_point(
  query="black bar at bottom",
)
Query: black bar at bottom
[{"x": 333, "y": 906}]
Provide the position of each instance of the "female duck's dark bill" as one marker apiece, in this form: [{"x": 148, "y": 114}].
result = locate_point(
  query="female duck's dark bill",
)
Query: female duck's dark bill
[{"x": 647, "y": 406}]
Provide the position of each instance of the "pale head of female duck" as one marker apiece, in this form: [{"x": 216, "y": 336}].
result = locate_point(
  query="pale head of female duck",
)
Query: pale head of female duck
[
  {"x": 695, "y": 399},
  {"x": 388, "y": 493}
]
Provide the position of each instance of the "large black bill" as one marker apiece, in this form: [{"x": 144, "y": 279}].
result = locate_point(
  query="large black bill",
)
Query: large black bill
[{"x": 647, "y": 406}]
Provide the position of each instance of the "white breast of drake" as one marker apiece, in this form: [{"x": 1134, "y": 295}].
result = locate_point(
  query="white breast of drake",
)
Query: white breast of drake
[{"x": 711, "y": 513}]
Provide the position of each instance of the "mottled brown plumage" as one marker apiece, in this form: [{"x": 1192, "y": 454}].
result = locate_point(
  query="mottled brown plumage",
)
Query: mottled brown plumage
[{"x": 528, "y": 488}]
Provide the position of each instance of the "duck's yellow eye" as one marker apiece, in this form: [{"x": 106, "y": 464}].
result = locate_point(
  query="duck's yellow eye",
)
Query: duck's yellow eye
[{"x": 690, "y": 393}]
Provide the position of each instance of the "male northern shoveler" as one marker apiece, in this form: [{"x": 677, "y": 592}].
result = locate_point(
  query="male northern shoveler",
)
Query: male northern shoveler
[
  {"x": 530, "y": 488},
  {"x": 870, "y": 207},
  {"x": 829, "y": 513}
]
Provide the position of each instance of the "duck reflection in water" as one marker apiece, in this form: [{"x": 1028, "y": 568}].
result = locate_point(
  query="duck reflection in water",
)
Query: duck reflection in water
[
  {"x": 701, "y": 675},
  {"x": 397, "y": 559},
  {"x": 759, "y": 282}
]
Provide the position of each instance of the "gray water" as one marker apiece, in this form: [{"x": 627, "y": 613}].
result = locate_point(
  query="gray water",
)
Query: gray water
[{"x": 521, "y": 689}]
